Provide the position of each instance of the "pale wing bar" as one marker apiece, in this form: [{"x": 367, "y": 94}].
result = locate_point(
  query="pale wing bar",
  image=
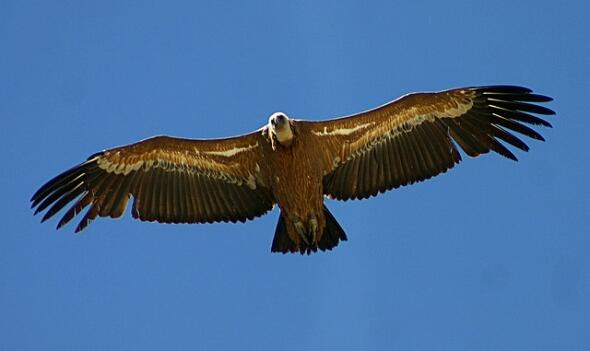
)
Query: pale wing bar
[{"x": 415, "y": 152}]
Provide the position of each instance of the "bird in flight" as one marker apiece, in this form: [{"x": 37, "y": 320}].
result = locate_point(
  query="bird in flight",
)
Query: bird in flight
[{"x": 295, "y": 164}]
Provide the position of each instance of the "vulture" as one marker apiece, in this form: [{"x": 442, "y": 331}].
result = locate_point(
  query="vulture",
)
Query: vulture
[{"x": 295, "y": 164}]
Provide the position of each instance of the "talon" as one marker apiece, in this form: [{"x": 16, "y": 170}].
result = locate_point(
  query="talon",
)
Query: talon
[
  {"x": 301, "y": 231},
  {"x": 313, "y": 228}
]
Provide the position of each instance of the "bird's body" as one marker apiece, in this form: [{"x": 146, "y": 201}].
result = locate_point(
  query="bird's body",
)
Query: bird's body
[
  {"x": 295, "y": 164},
  {"x": 296, "y": 182}
]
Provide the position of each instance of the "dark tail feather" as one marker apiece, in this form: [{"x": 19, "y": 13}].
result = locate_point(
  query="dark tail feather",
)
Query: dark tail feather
[
  {"x": 282, "y": 242},
  {"x": 332, "y": 235},
  {"x": 333, "y": 232}
]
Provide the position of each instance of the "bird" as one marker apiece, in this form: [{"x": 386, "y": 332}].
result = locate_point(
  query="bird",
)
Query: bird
[{"x": 295, "y": 164}]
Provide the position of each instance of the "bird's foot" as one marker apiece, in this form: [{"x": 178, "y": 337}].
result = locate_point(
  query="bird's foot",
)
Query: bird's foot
[
  {"x": 301, "y": 230},
  {"x": 313, "y": 229}
]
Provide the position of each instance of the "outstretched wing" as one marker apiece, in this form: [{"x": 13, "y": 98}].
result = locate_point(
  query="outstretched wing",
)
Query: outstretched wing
[
  {"x": 172, "y": 180},
  {"x": 415, "y": 137}
]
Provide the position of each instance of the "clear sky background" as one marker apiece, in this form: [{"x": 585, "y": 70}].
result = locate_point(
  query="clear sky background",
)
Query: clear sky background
[{"x": 494, "y": 255}]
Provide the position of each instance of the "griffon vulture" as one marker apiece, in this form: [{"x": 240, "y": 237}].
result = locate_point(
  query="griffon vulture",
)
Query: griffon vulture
[{"x": 295, "y": 164}]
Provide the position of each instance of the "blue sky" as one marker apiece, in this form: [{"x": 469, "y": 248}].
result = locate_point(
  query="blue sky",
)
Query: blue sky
[{"x": 494, "y": 255}]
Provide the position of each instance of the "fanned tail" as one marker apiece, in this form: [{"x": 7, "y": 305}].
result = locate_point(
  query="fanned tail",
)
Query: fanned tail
[{"x": 332, "y": 235}]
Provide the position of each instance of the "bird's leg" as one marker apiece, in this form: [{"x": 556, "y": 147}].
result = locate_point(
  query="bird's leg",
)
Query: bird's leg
[
  {"x": 313, "y": 228},
  {"x": 300, "y": 228},
  {"x": 307, "y": 232}
]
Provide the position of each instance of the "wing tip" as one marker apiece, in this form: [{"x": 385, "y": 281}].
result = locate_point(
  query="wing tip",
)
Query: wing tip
[
  {"x": 503, "y": 89},
  {"x": 546, "y": 124},
  {"x": 513, "y": 158},
  {"x": 526, "y": 93}
]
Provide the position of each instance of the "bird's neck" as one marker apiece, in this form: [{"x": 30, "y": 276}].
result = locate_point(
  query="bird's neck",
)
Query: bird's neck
[{"x": 284, "y": 136}]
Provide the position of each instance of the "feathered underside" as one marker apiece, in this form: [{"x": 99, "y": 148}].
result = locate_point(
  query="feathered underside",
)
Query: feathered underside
[{"x": 418, "y": 136}]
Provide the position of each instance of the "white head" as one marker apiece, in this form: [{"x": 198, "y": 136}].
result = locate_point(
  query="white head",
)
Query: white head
[{"x": 280, "y": 127}]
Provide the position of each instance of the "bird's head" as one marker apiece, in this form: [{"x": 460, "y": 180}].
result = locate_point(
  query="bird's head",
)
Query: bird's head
[{"x": 280, "y": 128}]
